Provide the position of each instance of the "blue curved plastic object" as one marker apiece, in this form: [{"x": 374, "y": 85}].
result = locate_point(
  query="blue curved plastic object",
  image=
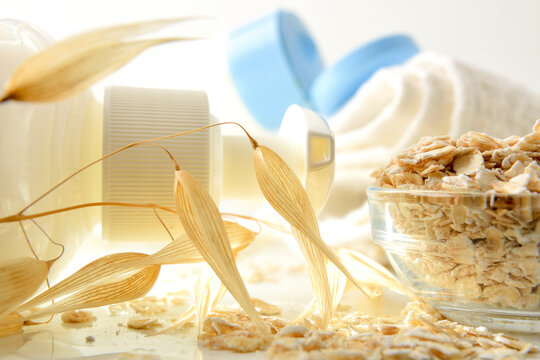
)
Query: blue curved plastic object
[
  {"x": 338, "y": 83},
  {"x": 273, "y": 62}
]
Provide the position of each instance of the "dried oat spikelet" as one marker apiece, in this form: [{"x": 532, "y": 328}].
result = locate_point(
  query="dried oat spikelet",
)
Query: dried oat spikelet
[
  {"x": 280, "y": 186},
  {"x": 129, "y": 287},
  {"x": 319, "y": 277},
  {"x": 19, "y": 279},
  {"x": 203, "y": 224},
  {"x": 12, "y": 324},
  {"x": 105, "y": 268},
  {"x": 72, "y": 65},
  {"x": 323, "y": 285},
  {"x": 183, "y": 250},
  {"x": 337, "y": 283},
  {"x": 208, "y": 292},
  {"x": 285, "y": 193},
  {"x": 96, "y": 271}
]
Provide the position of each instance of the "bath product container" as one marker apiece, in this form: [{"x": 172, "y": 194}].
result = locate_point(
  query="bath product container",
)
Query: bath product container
[
  {"x": 42, "y": 144},
  {"x": 254, "y": 72},
  {"x": 337, "y": 83}
]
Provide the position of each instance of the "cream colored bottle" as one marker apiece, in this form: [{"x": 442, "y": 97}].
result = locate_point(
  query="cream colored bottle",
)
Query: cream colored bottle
[{"x": 40, "y": 144}]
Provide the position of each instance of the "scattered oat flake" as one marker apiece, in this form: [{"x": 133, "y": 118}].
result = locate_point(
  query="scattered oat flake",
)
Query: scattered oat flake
[
  {"x": 143, "y": 323},
  {"x": 177, "y": 300},
  {"x": 90, "y": 339},
  {"x": 423, "y": 333},
  {"x": 183, "y": 293},
  {"x": 117, "y": 308},
  {"x": 143, "y": 307},
  {"x": 265, "y": 308},
  {"x": 77, "y": 316},
  {"x": 297, "y": 269},
  {"x": 259, "y": 275}
]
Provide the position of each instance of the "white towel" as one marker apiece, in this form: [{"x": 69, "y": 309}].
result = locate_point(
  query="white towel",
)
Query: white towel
[{"x": 431, "y": 94}]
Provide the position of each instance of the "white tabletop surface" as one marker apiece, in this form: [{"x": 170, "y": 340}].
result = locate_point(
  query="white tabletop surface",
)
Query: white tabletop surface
[{"x": 271, "y": 255}]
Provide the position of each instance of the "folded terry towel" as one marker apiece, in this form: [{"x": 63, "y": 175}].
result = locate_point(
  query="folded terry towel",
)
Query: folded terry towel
[{"x": 431, "y": 94}]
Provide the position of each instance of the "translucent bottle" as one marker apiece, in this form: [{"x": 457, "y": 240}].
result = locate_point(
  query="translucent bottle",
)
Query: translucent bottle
[{"x": 41, "y": 144}]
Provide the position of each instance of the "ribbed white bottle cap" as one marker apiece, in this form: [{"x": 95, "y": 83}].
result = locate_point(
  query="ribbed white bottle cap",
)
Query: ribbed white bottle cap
[{"x": 145, "y": 174}]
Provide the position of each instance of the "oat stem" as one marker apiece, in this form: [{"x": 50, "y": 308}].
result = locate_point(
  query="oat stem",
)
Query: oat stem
[
  {"x": 28, "y": 240},
  {"x": 163, "y": 224},
  {"x": 49, "y": 238},
  {"x": 22, "y": 217},
  {"x": 137, "y": 143}
]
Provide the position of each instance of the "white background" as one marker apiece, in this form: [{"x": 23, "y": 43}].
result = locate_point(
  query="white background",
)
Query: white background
[{"x": 498, "y": 35}]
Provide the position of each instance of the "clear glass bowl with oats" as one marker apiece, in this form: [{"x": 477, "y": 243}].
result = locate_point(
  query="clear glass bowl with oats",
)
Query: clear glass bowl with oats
[{"x": 460, "y": 223}]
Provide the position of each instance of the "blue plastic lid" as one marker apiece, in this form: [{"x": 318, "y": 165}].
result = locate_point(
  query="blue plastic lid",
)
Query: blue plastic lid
[
  {"x": 273, "y": 62},
  {"x": 338, "y": 83}
]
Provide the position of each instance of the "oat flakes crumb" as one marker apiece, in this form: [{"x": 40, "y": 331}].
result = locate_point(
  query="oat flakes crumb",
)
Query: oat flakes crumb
[
  {"x": 265, "y": 308},
  {"x": 90, "y": 339},
  {"x": 77, "y": 316},
  {"x": 146, "y": 306},
  {"x": 143, "y": 323}
]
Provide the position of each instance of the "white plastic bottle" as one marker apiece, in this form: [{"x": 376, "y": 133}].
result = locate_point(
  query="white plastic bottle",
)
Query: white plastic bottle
[
  {"x": 223, "y": 163},
  {"x": 41, "y": 144}
]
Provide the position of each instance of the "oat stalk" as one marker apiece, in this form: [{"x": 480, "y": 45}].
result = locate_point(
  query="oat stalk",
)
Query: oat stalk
[
  {"x": 244, "y": 235},
  {"x": 20, "y": 215},
  {"x": 70, "y": 66},
  {"x": 209, "y": 290},
  {"x": 318, "y": 275},
  {"x": 180, "y": 251},
  {"x": 203, "y": 224},
  {"x": 282, "y": 189}
]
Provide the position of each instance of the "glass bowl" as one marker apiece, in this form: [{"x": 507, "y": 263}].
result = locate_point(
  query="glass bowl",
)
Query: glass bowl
[{"x": 473, "y": 256}]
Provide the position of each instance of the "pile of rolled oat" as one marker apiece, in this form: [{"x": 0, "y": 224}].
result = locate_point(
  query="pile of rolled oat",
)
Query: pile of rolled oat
[
  {"x": 421, "y": 334},
  {"x": 481, "y": 241}
]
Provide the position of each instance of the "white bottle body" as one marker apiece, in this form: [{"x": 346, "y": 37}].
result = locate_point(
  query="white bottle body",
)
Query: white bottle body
[{"x": 41, "y": 144}]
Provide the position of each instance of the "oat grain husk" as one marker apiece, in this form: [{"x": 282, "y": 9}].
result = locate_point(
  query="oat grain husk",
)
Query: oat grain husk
[
  {"x": 19, "y": 279},
  {"x": 11, "y": 324},
  {"x": 183, "y": 250},
  {"x": 282, "y": 189},
  {"x": 128, "y": 287},
  {"x": 72, "y": 65},
  {"x": 98, "y": 270},
  {"x": 203, "y": 224},
  {"x": 317, "y": 270},
  {"x": 208, "y": 292}
]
